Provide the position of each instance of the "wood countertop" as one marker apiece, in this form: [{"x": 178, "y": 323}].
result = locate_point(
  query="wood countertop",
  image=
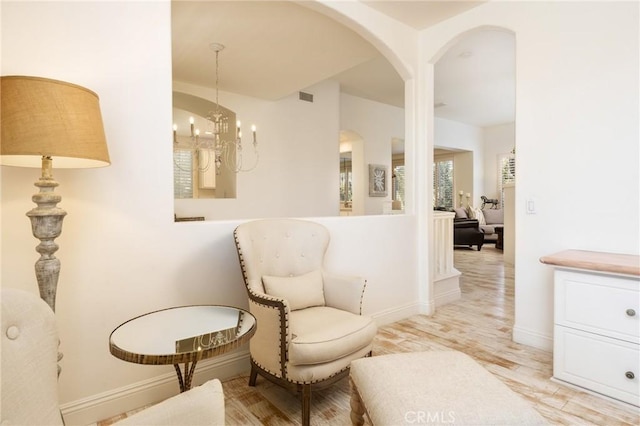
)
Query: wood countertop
[{"x": 627, "y": 264}]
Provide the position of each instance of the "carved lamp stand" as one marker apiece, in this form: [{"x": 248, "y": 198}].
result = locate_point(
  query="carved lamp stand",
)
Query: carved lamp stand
[{"x": 46, "y": 225}]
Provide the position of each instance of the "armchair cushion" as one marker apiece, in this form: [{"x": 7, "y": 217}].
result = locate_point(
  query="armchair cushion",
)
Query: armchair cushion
[
  {"x": 302, "y": 291},
  {"x": 344, "y": 292},
  {"x": 202, "y": 405},
  {"x": 323, "y": 334}
]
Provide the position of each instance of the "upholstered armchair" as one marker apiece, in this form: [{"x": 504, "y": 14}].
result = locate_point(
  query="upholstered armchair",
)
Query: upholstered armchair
[
  {"x": 310, "y": 322},
  {"x": 30, "y": 374}
]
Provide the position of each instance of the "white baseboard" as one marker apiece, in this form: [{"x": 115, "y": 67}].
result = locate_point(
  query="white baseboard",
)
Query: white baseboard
[
  {"x": 532, "y": 338},
  {"x": 447, "y": 289},
  {"x": 397, "y": 313},
  {"x": 108, "y": 404}
]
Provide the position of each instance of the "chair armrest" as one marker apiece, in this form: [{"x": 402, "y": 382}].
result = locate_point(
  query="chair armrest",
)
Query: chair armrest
[
  {"x": 267, "y": 346},
  {"x": 202, "y": 405},
  {"x": 344, "y": 292}
]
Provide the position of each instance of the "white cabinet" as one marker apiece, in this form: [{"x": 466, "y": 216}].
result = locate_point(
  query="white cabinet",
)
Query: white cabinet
[
  {"x": 596, "y": 342},
  {"x": 597, "y": 332}
]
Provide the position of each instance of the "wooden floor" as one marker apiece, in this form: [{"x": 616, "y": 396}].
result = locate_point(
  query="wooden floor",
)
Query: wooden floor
[{"x": 479, "y": 324}]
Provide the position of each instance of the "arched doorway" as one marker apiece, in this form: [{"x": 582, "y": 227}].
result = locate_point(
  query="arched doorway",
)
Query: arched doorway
[{"x": 474, "y": 119}]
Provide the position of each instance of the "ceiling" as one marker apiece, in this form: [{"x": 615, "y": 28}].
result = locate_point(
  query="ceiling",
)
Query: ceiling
[{"x": 276, "y": 48}]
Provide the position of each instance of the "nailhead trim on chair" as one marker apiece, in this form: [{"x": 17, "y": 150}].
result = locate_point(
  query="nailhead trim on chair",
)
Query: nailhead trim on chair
[{"x": 270, "y": 302}]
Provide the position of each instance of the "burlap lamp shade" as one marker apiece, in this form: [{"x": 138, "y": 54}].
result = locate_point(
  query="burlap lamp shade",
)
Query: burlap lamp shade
[{"x": 43, "y": 117}]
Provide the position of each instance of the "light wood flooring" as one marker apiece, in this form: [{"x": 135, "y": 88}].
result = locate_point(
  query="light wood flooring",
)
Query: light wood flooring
[{"x": 479, "y": 324}]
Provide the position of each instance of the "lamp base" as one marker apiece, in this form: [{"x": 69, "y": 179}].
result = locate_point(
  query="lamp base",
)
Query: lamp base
[{"x": 46, "y": 225}]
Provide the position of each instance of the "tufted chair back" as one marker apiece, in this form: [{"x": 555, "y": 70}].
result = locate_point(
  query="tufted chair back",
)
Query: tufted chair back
[
  {"x": 29, "y": 360},
  {"x": 280, "y": 247}
]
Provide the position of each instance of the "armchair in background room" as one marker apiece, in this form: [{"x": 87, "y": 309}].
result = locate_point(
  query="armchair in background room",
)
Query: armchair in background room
[
  {"x": 30, "y": 374},
  {"x": 310, "y": 322}
]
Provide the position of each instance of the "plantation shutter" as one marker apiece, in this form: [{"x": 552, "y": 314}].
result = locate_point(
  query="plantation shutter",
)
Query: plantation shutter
[{"x": 182, "y": 173}]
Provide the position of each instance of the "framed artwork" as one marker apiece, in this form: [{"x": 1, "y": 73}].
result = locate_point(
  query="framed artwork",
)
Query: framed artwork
[{"x": 377, "y": 180}]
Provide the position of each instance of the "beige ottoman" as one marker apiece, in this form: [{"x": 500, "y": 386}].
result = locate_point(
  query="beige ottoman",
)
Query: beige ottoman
[{"x": 438, "y": 387}]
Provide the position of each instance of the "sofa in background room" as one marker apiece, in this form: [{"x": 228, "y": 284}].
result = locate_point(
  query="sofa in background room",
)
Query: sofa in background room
[{"x": 488, "y": 219}]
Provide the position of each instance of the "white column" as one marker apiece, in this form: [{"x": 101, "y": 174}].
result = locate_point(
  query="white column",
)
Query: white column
[{"x": 445, "y": 276}]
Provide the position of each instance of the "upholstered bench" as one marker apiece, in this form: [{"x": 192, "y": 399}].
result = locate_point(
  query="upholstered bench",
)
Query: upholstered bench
[{"x": 438, "y": 387}]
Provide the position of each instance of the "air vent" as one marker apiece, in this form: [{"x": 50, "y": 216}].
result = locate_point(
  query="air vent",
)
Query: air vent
[{"x": 306, "y": 97}]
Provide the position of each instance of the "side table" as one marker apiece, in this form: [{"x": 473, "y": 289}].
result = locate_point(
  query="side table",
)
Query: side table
[{"x": 184, "y": 334}]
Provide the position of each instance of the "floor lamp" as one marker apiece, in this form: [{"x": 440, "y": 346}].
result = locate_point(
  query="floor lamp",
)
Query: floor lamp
[{"x": 44, "y": 120}]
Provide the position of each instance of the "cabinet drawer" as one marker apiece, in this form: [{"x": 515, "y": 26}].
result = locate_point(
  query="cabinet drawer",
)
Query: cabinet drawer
[
  {"x": 597, "y": 363},
  {"x": 606, "y": 305}
]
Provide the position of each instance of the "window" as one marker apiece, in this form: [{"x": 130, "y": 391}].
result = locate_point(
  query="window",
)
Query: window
[
  {"x": 506, "y": 173},
  {"x": 182, "y": 173},
  {"x": 443, "y": 184},
  {"x": 346, "y": 184},
  {"x": 397, "y": 179}
]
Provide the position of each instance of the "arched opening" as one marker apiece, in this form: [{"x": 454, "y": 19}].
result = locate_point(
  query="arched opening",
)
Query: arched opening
[
  {"x": 292, "y": 96},
  {"x": 474, "y": 137}
]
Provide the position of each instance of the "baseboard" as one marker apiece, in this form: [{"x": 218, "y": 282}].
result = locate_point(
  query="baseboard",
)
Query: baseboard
[
  {"x": 396, "y": 314},
  {"x": 447, "y": 289},
  {"x": 532, "y": 338},
  {"x": 447, "y": 297},
  {"x": 108, "y": 404}
]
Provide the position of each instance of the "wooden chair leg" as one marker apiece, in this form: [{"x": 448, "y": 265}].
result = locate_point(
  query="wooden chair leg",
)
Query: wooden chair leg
[
  {"x": 306, "y": 404},
  {"x": 253, "y": 375}
]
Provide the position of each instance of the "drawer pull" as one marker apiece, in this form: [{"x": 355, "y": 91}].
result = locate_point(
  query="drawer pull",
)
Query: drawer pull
[
  {"x": 631, "y": 312},
  {"x": 629, "y": 375}
]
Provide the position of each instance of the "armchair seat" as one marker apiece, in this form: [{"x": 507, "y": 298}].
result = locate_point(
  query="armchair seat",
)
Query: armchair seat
[{"x": 322, "y": 334}]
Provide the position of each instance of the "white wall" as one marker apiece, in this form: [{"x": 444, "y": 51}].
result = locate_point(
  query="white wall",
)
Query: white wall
[
  {"x": 497, "y": 140},
  {"x": 122, "y": 255},
  {"x": 297, "y": 174},
  {"x": 468, "y": 167},
  {"x": 576, "y": 118},
  {"x": 378, "y": 124}
]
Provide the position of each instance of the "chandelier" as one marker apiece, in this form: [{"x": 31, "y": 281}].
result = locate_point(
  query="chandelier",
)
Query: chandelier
[{"x": 227, "y": 153}]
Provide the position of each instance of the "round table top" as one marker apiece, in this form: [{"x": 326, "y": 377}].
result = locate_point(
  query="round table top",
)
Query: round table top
[{"x": 182, "y": 334}]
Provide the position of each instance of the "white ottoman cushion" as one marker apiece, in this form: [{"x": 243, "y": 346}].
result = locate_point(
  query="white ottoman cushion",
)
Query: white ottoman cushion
[{"x": 439, "y": 387}]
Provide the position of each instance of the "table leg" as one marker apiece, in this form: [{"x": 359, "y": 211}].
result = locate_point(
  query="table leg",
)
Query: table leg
[{"x": 185, "y": 379}]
